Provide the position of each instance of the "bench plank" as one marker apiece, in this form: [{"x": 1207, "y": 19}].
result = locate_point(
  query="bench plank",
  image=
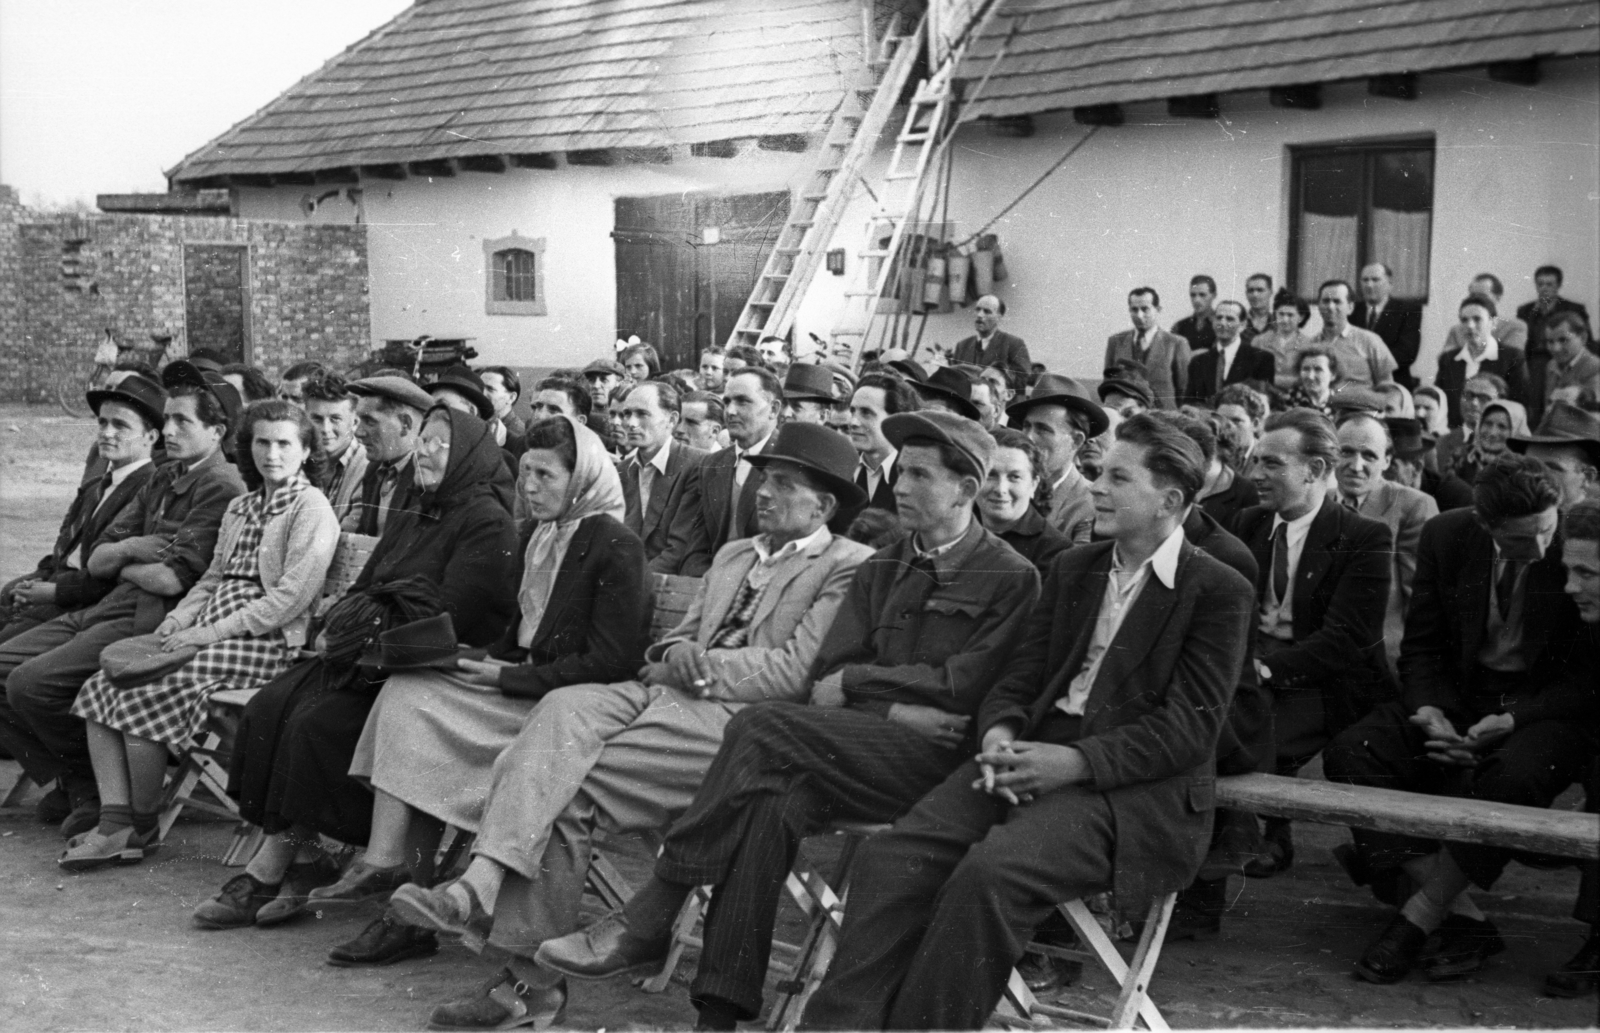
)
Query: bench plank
[{"x": 1537, "y": 829}]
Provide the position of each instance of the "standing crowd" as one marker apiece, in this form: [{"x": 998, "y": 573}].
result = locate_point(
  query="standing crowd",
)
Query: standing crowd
[{"x": 1022, "y": 622}]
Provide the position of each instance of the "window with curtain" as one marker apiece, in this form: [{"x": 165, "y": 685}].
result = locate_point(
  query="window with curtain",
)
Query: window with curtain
[
  {"x": 513, "y": 274},
  {"x": 514, "y": 271},
  {"x": 1355, "y": 204}
]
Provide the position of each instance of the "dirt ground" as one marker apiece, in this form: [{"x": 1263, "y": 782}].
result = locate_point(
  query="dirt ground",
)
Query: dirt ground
[{"x": 115, "y": 950}]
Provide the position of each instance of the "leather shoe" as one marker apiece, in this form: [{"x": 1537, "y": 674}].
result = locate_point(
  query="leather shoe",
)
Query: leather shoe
[
  {"x": 1394, "y": 953},
  {"x": 440, "y": 910},
  {"x": 1459, "y": 947},
  {"x": 1580, "y": 976},
  {"x": 503, "y": 1002},
  {"x": 54, "y": 806},
  {"x": 383, "y": 942},
  {"x": 1276, "y": 855},
  {"x": 603, "y": 950},
  {"x": 291, "y": 899},
  {"x": 1191, "y": 923},
  {"x": 1390, "y": 886},
  {"x": 1046, "y": 974},
  {"x": 236, "y": 905},
  {"x": 361, "y": 881}
]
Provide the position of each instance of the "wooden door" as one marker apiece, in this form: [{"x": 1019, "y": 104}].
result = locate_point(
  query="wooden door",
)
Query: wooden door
[{"x": 678, "y": 292}]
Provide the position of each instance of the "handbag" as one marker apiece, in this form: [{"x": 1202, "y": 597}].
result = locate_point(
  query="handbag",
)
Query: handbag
[{"x": 140, "y": 660}]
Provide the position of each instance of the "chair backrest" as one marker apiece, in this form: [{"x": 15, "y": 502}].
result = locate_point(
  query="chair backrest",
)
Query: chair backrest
[{"x": 671, "y": 597}]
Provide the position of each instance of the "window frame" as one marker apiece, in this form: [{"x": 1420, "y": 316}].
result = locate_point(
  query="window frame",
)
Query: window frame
[
  {"x": 539, "y": 306},
  {"x": 1367, "y": 149}
]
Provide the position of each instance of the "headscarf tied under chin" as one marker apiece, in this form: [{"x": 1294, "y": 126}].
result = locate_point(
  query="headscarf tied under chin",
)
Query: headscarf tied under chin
[{"x": 594, "y": 488}]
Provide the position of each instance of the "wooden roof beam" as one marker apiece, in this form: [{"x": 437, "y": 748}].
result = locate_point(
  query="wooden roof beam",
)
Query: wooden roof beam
[
  {"x": 296, "y": 179},
  {"x": 600, "y": 156},
  {"x": 1099, "y": 115},
  {"x": 1401, "y": 86},
  {"x": 794, "y": 143},
  {"x": 343, "y": 174},
  {"x": 646, "y": 155},
  {"x": 1201, "y": 105},
  {"x": 1307, "y": 97},
  {"x": 1518, "y": 73},
  {"x": 386, "y": 171},
  {"x": 250, "y": 179},
  {"x": 437, "y": 168},
  {"x": 482, "y": 163},
  {"x": 542, "y": 160},
  {"x": 715, "y": 149}
]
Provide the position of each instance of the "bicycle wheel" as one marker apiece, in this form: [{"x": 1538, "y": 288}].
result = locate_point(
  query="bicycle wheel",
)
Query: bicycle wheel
[{"x": 72, "y": 393}]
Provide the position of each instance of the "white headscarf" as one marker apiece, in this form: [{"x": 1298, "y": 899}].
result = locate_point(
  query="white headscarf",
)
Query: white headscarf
[{"x": 594, "y": 488}]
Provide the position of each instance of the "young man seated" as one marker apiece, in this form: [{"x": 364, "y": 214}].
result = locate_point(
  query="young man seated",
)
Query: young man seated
[
  {"x": 628, "y": 757},
  {"x": 1095, "y": 771},
  {"x": 1495, "y": 706},
  {"x": 925, "y": 626}
]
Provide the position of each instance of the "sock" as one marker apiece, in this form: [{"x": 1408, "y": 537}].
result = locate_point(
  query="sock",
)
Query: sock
[
  {"x": 1422, "y": 912},
  {"x": 114, "y": 817},
  {"x": 146, "y": 824},
  {"x": 652, "y": 910},
  {"x": 485, "y": 877},
  {"x": 717, "y": 1014},
  {"x": 1466, "y": 907}
]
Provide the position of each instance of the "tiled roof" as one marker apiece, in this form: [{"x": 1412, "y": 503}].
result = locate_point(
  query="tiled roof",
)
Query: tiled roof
[
  {"x": 459, "y": 78},
  {"x": 1077, "y": 53}
]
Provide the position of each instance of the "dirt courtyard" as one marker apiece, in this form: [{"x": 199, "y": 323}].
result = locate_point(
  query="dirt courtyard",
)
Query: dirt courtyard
[{"x": 115, "y": 950}]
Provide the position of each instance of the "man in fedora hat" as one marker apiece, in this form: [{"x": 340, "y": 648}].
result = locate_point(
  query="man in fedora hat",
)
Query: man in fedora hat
[
  {"x": 460, "y": 388},
  {"x": 948, "y": 389},
  {"x": 1411, "y": 468},
  {"x": 1567, "y": 442},
  {"x": 808, "y": 394},
  {"x": 1060, "y": 417},
  {"x": 389, "y": 412},
  {"x": 129, "y": 417},
  {"x": 890, "y": 717},
  {"x": 628, "y": 757},
  {"x": 154, "y": 553}
]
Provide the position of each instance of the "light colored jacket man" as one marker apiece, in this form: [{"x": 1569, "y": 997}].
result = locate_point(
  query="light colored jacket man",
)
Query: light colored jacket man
[
  {"x": 1404, "y": 510},
  {"x": 1166, "y": 362}
]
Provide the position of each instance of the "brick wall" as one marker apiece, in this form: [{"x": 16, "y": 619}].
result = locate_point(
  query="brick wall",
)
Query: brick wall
[{"x": 65, "y": 280}]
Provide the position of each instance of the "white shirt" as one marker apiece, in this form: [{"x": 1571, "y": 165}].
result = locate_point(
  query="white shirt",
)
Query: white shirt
[
  {"x": 118, "y": 475},
  {"x": 657, "y": 466},
  {"x": 875, "y": 477},
  {"x": 1472, "y": 362},
  {"x": 1228, "y": 354},
  {"x": 1123, "y": 588},
  {"x": 741, "y": 469},
  {"x": 767, "y": 560},
  {"x": 1277, "y": 615}
]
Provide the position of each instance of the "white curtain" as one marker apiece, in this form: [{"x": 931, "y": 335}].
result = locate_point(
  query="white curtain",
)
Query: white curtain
[
  {"x": 1401, "y": 240},
  {"x": 1327, "y": 248}
]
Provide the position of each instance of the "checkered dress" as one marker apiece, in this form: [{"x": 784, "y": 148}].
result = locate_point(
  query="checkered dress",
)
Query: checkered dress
[{"x": 172, "y": 709}]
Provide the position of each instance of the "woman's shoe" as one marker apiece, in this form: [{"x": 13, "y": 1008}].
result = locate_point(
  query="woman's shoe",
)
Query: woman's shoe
[
  {"x": 361, "y": 881},
  {"x": 96, "y": 850},
  {"x": 440, "y": 910},
  {"x": 503, "y": 1002},
  {"x": 293, "y": 894},
  {"x": 242, "y": 897}
]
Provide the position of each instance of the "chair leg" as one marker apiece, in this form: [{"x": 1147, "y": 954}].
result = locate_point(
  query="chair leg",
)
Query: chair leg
[
  {"x": 1137, "y": 983},
  {"x": 1089, "y": 931},
  {"x": 246, "y": 841}
]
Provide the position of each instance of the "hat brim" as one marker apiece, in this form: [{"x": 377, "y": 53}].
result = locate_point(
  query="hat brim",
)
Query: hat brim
[
  {"x": 421, "y": 399},
  {"x": 476, "y": 397},
  {"x": 1099, "y": 422},
  {"x": 1590, "y": 446},
  {"x": 1126, "y": 390},
  {"x": 373, "y": 657},
  {"x": 848, "y": 492},
  {"x": 99, "y": 398},
  {"x": 963, "y": 406},
  {"x": 807, "y": 396}
]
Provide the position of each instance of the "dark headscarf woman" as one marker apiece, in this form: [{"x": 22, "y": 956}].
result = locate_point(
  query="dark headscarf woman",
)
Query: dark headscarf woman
[
  {"x": 455, "y": 554},
  {"x": 582, "y": 620}
]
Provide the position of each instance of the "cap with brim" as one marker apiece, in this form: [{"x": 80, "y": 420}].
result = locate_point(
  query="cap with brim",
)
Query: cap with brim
[
  {"x": 397, "y": 389},
  {"x": 1128, "y": 387},
  {"x": 429, "y": 643},
  {"x": 1054, "y": 389},
  {"x": 183, "y": 373},
  {"x": 806, "y": 382},
  {"x": 1567, "y": 426},
  {"x": 605, "y": 366},
  {"x": 954, "y": 387},
  {"x": 965, "y": 435},
  {"x": 1407, "y": 437},
  {"x": 909, "y": 368},
  {"x": 824, "y": 453},
  {"x": 139, "y": 392},
  {"x": 1357, "y": 398},
  {"x": 468, "y": 385}
]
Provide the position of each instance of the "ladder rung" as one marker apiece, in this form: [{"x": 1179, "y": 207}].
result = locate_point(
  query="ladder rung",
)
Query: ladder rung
[
  {"x": 760, "y": 304},
  {"x": 861, "y": 294},
  {"x": 918, "y": 137},
  {"x": 803, "y": 222},
  {"x": 900, "y": 175},
  {"x": 814, "y": 197},
  {"x": 774, "y": 276},
  {"x": 787, "y": 250},
  {"x": 831, "y": 168},
  {"x": 874, "y": 253}
]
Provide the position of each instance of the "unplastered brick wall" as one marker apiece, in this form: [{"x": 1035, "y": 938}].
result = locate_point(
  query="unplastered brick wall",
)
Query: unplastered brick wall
[
  {"x": 305, "y": 290},
  {"x": 11, "y": 330}
]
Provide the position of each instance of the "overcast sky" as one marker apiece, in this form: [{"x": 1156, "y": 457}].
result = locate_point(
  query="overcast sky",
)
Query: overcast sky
[{"x": 100, "y": 96}]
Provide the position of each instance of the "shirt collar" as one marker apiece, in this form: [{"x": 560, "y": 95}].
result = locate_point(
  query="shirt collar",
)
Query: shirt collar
[
  {"x": 883, "y": 468},
  {"x": 763, "y": 546},
  {"x": 1066, "y": 475},
  {"x": 659, "y": 460},
  {"x": 948, "y": 557},
  {"x": 753, "y": 450},
  {"x": 1163, "y": 562},
  {"x": 122, "y": 473},
  {"x": 1300, "y": 522},
  {"x": 1231, "y": 349},
  {"x": 1489, "y": 353}
]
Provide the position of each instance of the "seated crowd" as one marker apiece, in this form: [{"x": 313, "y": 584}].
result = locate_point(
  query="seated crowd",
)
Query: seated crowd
[{"x": 1022, "y": 622}]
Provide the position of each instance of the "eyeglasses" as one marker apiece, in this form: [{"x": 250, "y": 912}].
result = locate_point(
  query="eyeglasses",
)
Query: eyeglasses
[{"x": 428, "y": 446}]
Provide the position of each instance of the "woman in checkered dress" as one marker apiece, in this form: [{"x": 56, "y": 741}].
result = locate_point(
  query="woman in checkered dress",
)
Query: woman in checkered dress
[{"x": 247, "y": 615}]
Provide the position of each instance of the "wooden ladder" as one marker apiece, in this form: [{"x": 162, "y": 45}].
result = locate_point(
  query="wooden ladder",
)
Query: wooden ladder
[{"x": 852, "y": 135}]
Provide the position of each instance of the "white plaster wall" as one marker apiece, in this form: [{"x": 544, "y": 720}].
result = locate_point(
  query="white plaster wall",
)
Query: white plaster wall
[
  {"x": 1160, "y": 199},
  {"x": 425, "y": 244}
]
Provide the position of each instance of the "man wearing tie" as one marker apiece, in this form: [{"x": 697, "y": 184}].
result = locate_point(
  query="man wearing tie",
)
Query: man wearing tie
[
  {"x": 1322, "y": 589},
  {"x": 1165, "y": 356},
  {"x": 129, "y": 416},
  {"x": 878, "y": 396},
  {"x": 654, "y": 465},
  {"x": 1231, "y": 361},
  {"x": 1397, "y": 323},
  {"x": 719, "y": 495},
  {"x": 992, "y": 346}
]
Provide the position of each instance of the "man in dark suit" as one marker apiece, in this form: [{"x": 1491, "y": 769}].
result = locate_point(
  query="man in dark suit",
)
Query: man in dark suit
[
  {"x": 1197, "y": 328},
  {"x": 992, "y": 346},
  {"x": 1095, "y": 771},
  {"x": 653, "y": 466},
  {"x": 1547, "y": 281},
  {"x": 877, "y": 397},
  {"x": 1397, "y": 322},
  {"x": 129, "y": 416},
  {"x": 926, "y": 623},
  {"x": 1230, "y": 360},
  {"x": 718, "y": 500},
  {"x": 1164, "y": 356},
  {"x": 1496, "y": 705},
  {"x": 1321, "y": 591}
]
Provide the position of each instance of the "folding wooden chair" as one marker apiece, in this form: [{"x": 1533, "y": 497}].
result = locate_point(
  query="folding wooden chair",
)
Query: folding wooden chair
[
  {"x": 201, "y": 767},
  {"x": 17, "y": 795},
  {"x": 1020, "y": 1009}
]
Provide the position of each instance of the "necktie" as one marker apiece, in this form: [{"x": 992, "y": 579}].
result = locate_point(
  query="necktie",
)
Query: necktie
[
  {"x": 1280, "y": 562},
  {"x": 1506, "y": 587},
  {"x": 103, "y": 490},
  {"x": 380, "y": 478},
  {"x": 861, "y": 481},
  {"x": 634, "y": 508}
]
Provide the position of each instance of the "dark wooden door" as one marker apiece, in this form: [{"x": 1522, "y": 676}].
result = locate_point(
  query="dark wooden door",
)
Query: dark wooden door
[
  {"x": 214, "y": 280},
  {"x": 673, "y": 289}
]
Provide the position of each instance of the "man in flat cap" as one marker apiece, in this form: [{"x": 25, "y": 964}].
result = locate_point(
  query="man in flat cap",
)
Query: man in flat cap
[{"x": 389, "y": 411}]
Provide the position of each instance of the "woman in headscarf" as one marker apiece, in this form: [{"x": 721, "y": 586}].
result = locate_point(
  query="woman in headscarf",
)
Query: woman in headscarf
[
  {"x": 453, "y": 554},
  {"x": 1430, "y": 408},
  {"x": 1501, "y": 421},
  {"x": 242, "y": 619},
  {"x": 431, "y": 741}
]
